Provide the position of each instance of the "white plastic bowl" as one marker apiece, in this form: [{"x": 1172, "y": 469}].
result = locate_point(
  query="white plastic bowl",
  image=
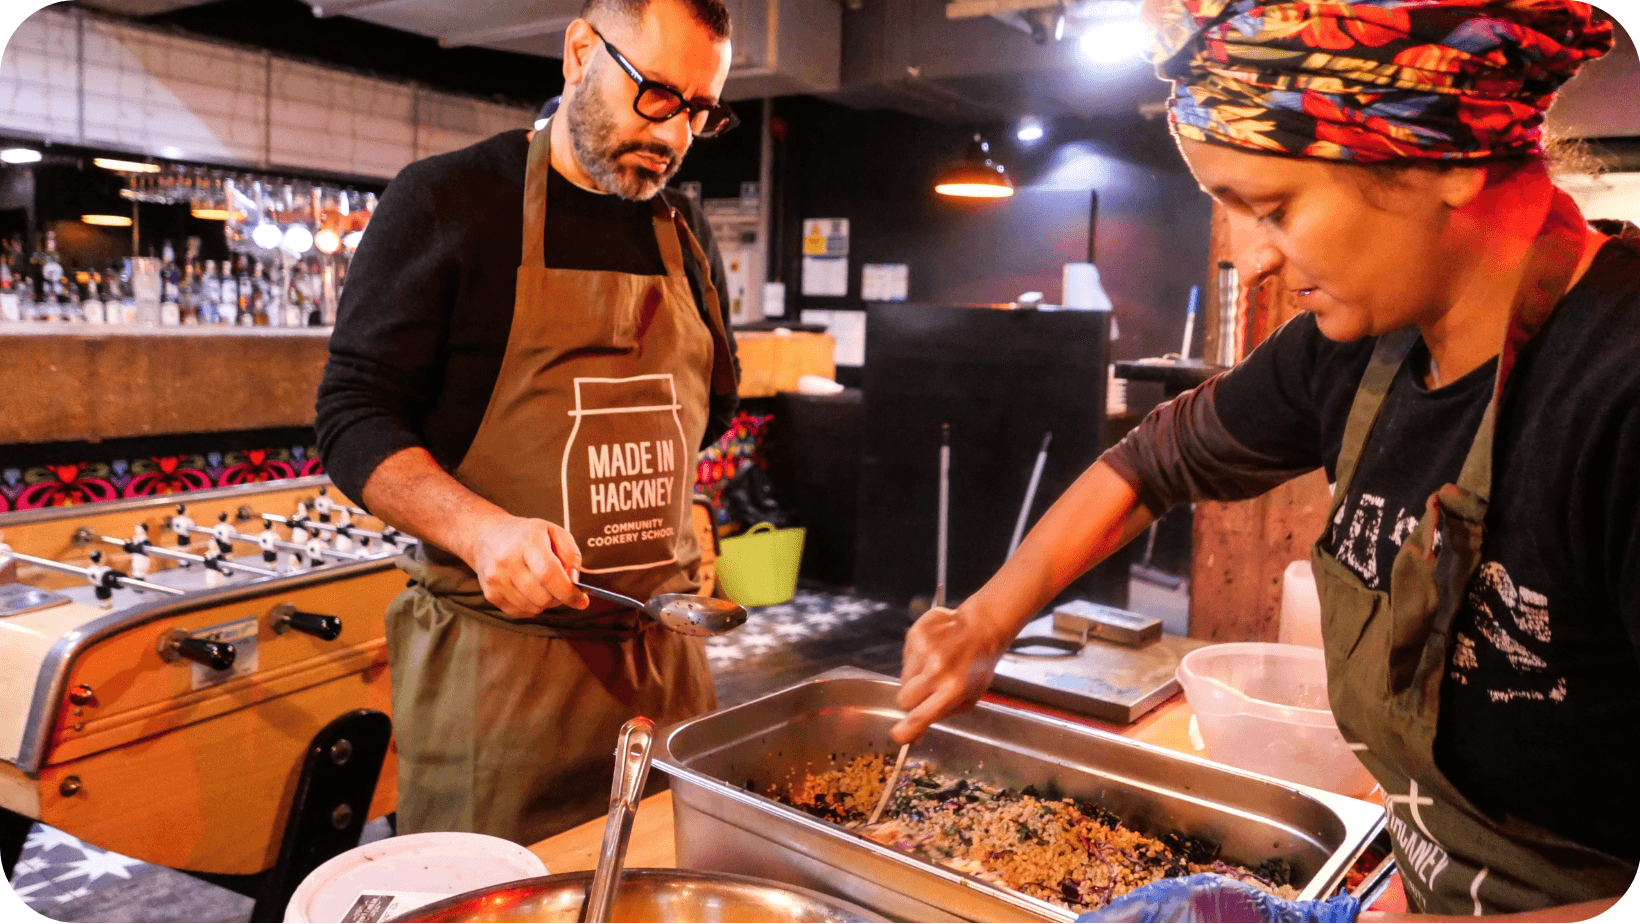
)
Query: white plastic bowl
[{"x": 1263, "y": 707}]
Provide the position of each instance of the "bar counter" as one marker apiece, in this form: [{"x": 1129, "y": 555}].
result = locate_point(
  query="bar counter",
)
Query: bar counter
[{"x": 69, "y": 381}]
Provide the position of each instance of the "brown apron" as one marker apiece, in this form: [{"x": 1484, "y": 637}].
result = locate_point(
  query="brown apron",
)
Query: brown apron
[
  {"x": 1387, "y": 652},
  {"x": 508, "y": 727}
]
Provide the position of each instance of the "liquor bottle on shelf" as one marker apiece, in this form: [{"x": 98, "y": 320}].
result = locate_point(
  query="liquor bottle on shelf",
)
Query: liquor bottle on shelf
[
  {"x": 91, "y": 301},
  {"x": 187, "y": 311},
  {"x": 68, "y": 297},
  {"x": 210, "y": 295},
  {"x": 28, "y": 308},
  {"x": 36, "y": 268},
  {"x": 246, "y": 293},
  {"x": 51, "y": 268},
  {"x": 228, "y": 306},
  {"x": 9, "y": 301},
  {"x": 296, "y": 298},
  {"x": 113, "y": 313},
  {"x": 50, "y": 276},
  {"x": 128, "y": 291},
  {"x": 170, "y": 312},
  {"x": 191, "y": 293}
]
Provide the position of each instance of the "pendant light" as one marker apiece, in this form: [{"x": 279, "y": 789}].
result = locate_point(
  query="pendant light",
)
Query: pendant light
[{"x": 976, "y": 176}]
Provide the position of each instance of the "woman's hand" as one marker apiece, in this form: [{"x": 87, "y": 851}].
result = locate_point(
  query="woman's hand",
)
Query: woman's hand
[
  {"x": 949, "y": 658},
  {"x": 950, "y": 654}
]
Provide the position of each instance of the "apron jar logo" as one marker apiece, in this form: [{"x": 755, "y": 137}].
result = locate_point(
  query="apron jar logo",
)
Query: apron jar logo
[{"x": 623, "y": 474}]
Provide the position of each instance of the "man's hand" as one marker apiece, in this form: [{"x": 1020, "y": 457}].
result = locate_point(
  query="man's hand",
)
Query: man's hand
[
  {"x": 949, "y": 657},
  {"x": 526, "y": 566}
]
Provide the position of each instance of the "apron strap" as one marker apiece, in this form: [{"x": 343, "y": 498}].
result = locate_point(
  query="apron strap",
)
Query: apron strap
[
  {"x": 1546, "y": 272},
  {"x": 1387, "y": 356},
  {"x": 672, "y": 231},
  {"x": 536, "y": 171}
]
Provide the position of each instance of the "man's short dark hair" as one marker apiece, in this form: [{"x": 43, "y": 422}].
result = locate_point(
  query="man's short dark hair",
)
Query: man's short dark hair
[{"x": 710, "y": 13}]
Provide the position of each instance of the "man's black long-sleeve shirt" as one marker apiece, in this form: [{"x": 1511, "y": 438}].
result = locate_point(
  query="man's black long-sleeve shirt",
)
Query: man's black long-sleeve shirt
[{"x": 428, "y": 304}]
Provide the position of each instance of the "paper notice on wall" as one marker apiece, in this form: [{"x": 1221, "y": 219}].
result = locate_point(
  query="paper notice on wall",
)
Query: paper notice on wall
[
  {"x": 774, "y": 299},
  {"x": 885, "y": 282},
  {"x": 848, "y": 333},
  {"x": 825, "y": 237},
  {"x": 825, "y": 276}
]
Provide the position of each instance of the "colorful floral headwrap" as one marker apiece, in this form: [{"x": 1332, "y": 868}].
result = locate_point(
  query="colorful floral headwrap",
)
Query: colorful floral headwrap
[{"x": 1371, "y": 81}]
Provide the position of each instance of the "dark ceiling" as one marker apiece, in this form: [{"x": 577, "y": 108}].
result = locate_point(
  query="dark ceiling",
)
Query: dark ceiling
[{"x": 289, "y": 27}]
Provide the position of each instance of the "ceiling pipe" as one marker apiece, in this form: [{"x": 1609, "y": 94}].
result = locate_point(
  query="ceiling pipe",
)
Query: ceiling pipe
[
  {"x": 328, "y": 8},
  {"x": 507, "y": 33}
]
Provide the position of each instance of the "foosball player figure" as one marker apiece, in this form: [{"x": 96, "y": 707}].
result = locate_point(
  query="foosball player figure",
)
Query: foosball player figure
[
  {"x": 223, "y": 533},
  {"x": 344, "y": 533},
  {"x": 322, "y": 505},
  {"x": 183, "y": 526},
  {"x": 299, "y": 524},
  {"x": 141, "y": 562},
  {"x": 103, "y": 580},
  {"x": 265, "y": 540},
  {"x": 215, "y": 574},
  {"x": 315, "y": 552}
]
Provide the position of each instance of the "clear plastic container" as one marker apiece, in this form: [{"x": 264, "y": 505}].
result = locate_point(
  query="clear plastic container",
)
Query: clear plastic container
[{"x": 1263, "y": 707}]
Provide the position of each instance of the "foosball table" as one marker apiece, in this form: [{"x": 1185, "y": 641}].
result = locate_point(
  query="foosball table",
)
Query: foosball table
[{"x": 199, "y": 681}]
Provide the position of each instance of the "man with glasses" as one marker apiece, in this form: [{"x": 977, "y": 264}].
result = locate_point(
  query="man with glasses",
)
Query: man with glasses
[{"x": 530, "y": 350}]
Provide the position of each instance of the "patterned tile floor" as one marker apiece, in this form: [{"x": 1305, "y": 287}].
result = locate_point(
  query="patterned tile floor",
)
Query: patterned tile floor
[{"x": 67, "y": 880}]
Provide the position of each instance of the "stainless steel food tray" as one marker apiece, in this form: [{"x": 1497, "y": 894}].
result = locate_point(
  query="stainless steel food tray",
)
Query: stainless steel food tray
[{"x": 720, "y": 762}]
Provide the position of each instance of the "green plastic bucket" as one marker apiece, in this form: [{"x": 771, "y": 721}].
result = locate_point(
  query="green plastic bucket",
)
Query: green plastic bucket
[{"x": 759, "y": 567}]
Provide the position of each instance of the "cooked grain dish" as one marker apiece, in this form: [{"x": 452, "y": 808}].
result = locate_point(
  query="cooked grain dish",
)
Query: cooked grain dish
[{"x": 1072, "y": 853}]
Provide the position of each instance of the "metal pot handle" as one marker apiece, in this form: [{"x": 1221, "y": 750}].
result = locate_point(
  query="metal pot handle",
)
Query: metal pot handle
[{"x": 632, "y": 755}]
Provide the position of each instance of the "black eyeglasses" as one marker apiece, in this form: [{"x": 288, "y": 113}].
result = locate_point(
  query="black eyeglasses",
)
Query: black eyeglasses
[{"x": 658, "y": 102}]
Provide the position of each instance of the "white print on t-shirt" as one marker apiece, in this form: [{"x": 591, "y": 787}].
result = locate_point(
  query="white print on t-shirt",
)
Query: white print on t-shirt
[
  {"x": 1511, "y": 620},
  {"x": 1358, "y": 548}
]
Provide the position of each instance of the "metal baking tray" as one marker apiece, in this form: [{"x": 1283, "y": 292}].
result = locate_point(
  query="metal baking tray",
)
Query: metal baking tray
[{"x": 720, "y": 762}]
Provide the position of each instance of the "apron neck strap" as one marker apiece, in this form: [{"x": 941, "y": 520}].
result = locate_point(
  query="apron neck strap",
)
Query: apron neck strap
[
  {"x": 1387, "y": 356},
  {"x": 671, "y": 233},
  {"x": 536, "y": 171},
  {"x": 725, "y": 381},
  {"x": 1549, "y": 266}
]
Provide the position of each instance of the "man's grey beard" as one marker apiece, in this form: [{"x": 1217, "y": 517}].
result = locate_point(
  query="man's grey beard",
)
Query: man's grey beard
[{"x": 592, "y": 131}]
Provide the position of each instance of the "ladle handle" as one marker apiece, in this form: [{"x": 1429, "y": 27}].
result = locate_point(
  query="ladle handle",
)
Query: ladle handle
[
  {"x": 632, "y": 769},
  {"x": 610, "y": 595}
]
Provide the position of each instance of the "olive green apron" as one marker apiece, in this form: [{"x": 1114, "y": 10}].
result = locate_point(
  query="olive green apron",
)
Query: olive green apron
[
  {"x": 508, "y": 727},
  {"x": 1387, "y": 652}
]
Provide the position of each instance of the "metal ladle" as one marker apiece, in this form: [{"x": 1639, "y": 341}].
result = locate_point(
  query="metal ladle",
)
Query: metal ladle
[
  {"x": 632, "y": 754},
  {"x": 685, "y": 614}
]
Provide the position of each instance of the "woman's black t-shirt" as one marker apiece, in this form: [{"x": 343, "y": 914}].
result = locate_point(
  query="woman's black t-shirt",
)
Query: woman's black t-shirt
[{"x": 1541, "y": 700}]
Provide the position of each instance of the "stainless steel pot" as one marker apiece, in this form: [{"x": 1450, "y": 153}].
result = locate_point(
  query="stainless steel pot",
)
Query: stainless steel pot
[{"x": 646, "y": 895}]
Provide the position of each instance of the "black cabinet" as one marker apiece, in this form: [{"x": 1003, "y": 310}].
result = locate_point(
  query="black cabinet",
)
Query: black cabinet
[
  {"x": 1001, "y": 379},
  {"x": 813, "y": 451}
]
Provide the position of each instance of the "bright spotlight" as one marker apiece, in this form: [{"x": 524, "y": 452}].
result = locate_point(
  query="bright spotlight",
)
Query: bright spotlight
[
  {"x": 20, "y": 156},
  {"x": 267, "y": 235},
  {"x": 1113, "y": 41},
  {"x": 298, "y": 240},
  {"x": 1030, "y": 130}
]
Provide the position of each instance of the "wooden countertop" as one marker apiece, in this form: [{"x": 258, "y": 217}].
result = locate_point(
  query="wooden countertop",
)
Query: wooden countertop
[{"x": 652, "y": 846}]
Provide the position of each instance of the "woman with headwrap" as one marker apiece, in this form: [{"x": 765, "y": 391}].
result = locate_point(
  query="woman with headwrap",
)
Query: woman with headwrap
[{"x": 1465, "y": 370}]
